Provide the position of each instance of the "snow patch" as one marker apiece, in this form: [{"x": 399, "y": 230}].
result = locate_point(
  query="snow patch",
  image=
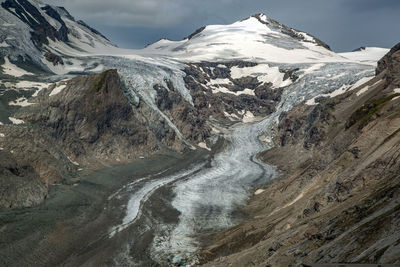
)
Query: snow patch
[
  {"x": 259, "y": 191},
  {"x": 263, "y": 72},
  {"x": 306, "y": 37},
  {"x": 361, "y": 82},
  {"x": 218, "y": 86},
  {"x": 343, "y": 89},
  {"x": 73, "y": 162},
  {"x": 204, "y": 145},
  {"x": 57, "y": 89},
  {"x": 232, "y": 117},
  {"x": 366, "y": 88},
  {"x": 13, "y": 70},
  {"x": 363, "y": 90},
  {"x": 16, "y": 121},
  {"x": 248, "y": 117},
  {"x": 218, "y": 81},
  {"x": 227, "y": 91},
  {"x": 22, "y": 102},
  {"x": 4, "y": 44}
]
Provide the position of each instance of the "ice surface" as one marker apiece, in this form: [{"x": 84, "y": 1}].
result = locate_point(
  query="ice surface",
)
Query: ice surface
[{"x": 140, "y": 190}]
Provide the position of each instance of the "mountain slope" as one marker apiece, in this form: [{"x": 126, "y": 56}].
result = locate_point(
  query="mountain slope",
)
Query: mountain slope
[
  {"x": 338, "y": 200},
  {"x": 29, "y": 31}
]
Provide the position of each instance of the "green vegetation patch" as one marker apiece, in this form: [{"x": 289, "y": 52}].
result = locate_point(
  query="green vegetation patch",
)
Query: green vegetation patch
[
  {"x": 365, "y": 112},
  {"x": 99, "y": 82}
]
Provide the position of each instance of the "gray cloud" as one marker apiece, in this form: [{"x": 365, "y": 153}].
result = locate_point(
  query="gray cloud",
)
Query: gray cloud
[
  {"x": 150, "y": 13},
  {"x": 343, "y": 24}
]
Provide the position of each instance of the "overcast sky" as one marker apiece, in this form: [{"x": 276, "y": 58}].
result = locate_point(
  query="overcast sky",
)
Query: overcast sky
[{"x": 342, "y": 24}]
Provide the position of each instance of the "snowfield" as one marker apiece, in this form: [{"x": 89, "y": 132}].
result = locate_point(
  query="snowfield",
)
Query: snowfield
[{"x": 367, "y": 55}]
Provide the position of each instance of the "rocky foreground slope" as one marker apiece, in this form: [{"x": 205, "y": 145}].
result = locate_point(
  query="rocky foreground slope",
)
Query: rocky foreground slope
[{"x": 338, "y": 199}]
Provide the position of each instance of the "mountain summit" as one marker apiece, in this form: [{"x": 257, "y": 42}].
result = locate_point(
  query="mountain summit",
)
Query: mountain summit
[{"x": 257, "y": 37}]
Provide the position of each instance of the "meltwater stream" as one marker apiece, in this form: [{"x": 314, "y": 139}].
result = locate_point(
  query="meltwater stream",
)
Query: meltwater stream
[{"x": 207, "y": 197}]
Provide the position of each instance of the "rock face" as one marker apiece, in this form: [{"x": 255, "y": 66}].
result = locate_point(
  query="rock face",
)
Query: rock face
[
  {"x": 31, "y": 146},
  {"x": 20, "y": 185},
  {"x": 84, "y": 122},
  {"x": 338, "y": 198},
  {"x": 391, "y": 65},
  {"x": 90, "y": 117},
  {"x": 210, "y": 101}
]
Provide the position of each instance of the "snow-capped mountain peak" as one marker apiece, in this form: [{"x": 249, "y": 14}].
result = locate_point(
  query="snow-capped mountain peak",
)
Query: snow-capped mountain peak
[{"x": 257, "y": 37}]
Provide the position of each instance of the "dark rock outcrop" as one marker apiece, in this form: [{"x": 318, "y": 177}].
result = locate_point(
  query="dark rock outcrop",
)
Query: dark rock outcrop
[
  {"x": 192, "y": 123},
  {"x": 42, "y": 30},
  {"x": 217, "y": 104},
  {"x": 196, "y": 32},
  {"x": 55, "y": 59}
]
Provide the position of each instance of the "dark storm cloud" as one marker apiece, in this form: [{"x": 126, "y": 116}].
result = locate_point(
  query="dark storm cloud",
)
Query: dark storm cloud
[
  {"x": 343, "y": 24},
  {"x": 371, "y": 5}
]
